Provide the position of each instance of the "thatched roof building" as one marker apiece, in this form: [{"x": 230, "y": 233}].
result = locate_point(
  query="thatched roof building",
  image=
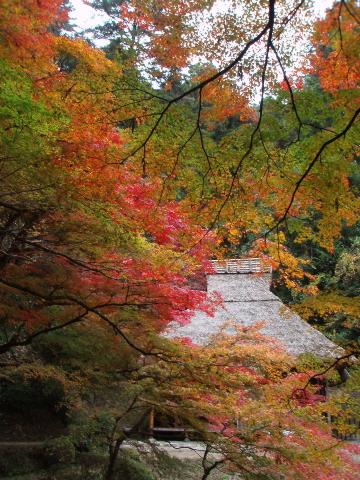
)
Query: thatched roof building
[{"x": 244, "y": 285}]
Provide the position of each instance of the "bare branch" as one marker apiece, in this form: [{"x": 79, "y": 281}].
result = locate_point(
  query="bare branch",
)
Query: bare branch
[
  {"x": 200, "y": 86},
  {"x": 310, "y": 167}
]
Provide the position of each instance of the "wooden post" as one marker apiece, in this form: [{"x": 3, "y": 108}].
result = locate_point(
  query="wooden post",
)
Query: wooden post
[{"x": 151, "y": 421}]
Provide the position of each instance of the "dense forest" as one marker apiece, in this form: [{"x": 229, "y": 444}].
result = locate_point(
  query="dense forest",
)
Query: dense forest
[{"x": 201, "y": 130}]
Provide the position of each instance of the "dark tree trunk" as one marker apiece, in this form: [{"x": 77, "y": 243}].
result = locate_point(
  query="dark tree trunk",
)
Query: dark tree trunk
[{"x": 114, "y": 452}]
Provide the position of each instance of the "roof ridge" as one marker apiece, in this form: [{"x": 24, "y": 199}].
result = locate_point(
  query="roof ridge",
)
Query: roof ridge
[{"x": 240, "y": 265}]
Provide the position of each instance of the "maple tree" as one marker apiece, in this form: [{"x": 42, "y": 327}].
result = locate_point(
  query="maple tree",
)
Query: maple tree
[
  {"x": 115, "y": 193},
  {"x": 218, "y": 390},
  {"x": 74, "y": 178}
]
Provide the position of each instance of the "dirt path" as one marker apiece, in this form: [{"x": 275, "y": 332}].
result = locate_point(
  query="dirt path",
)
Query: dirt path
[{"x": 20, "y": 444}]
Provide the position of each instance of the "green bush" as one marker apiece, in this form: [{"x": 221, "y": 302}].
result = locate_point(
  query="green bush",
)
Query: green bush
[
  {"x": 59, "y": 450},
  {"x": 27, "y": 389},
  {"x": 129, "y": 466},
  {"x": 17, "y": 461},
  {"x": 131, "y": 469},
  {"x": 90, "y": 434}
]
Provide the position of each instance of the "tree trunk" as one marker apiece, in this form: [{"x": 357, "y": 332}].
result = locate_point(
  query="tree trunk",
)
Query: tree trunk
[{"x": 114, "y": 452}]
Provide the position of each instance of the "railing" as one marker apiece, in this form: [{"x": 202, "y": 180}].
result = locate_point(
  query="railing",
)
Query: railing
[{"x": 240, "y": 265}]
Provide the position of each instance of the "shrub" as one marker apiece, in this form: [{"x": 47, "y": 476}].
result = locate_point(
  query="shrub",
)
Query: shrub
[
  {"x": 17, "y": 461},
  {"x": 90, "y": 434},
  {"x": 59, "y": 450},
  {"x": 132, "y": 469},
  {"x": 32, "y": 388}
]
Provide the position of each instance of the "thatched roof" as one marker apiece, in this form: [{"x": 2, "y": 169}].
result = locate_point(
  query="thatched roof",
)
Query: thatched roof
[{"x": 247, "y": 301}]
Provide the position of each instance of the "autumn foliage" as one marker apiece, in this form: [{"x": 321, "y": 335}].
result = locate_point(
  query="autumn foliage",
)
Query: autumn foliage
[{"x": 337, "y": 57}]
